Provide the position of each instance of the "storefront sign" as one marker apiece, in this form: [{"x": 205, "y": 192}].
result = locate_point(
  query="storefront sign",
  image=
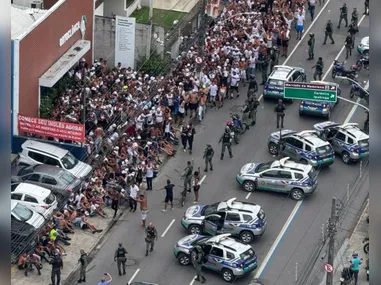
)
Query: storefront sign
[
  {"x": 49, "y": 128},
  {"x": 125, "y": 41},
  {"x": 80, "y": 25}
]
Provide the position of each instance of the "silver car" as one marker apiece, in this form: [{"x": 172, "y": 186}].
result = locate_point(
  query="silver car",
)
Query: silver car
[
  {"x": 283, "y": 176},
  {"x": 243, "y": 220},
  {"x": 58, "y": 180},
  {"x": 225, "y": 255}
]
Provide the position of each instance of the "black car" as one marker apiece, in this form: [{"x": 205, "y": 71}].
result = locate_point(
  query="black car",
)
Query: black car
[{"x": 22, "y": 239}]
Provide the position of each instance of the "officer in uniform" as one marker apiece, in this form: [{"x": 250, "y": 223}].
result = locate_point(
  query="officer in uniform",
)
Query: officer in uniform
[
  {"x": 274, "y": 57},
  {"x": 198, "y": 258},
  {"x": 348, "y": 45},
  {"x": 265, "y": 67},
  {"x": 318, "y": 69},
  {"x": 311, "y": 45},
  {"x": 208, "y": 156},
  {"x": 245, "y": 114},
  {"x": 226, "y": 143},
  {"x": 353, "y": 29},
  {"x": 328, "y": 32},
  {"x": 83, "y": 260},
  {"x": 253, "y": 105},
  {"x": 355, "y": 15},
  {"x": 120, "y": 258},
  {"x": 151, "y": 237},
  {"x": 279, "y": 110},
  {"x": 188, "y": 176},
  {"x": 343, "y": 15},
  {"x": 253, "y": 85}
]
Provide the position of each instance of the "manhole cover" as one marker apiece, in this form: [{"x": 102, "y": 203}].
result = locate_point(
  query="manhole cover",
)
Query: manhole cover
[{"x": 130, "y": 262}]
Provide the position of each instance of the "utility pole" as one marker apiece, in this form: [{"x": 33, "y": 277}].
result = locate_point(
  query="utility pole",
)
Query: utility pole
[
  {"x": 149, "y": 37},
  {"x": 201, "y": 39},
  {"x": 331, "y": 246}
]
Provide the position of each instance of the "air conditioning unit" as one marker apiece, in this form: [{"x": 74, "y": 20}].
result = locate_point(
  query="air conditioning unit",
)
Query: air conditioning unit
[{"x": 37, "y": 4}]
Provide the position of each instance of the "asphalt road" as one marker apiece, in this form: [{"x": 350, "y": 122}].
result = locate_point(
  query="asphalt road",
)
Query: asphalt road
[{"x": 304, "y": 230}]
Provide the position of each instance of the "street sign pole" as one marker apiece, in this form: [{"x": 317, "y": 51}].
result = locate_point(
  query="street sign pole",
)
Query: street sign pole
[{"x": 310, "y": 92}]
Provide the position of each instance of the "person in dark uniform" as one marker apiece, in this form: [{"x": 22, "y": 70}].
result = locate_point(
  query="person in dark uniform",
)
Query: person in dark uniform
[
  {"x": 245, "y": 114},
  {"x": 311, "y": 46},
  {"x": 120, "y": 258},
  {"x": 198, "y": 258},
  {"x": 265, "y": 67},
  {"x": 187, "y": 176},
  {"x": 184, "y": 136},
  {"x": 226, "y": 143},
  {"x": 151, "y": 237},
  {"x": 274, "y": 57},
  {"x": 83, "y": 260},
  {"x": 353, "y": 29},
  {"x": 328, "y": 32},
  {"x": 190, "y": 136},
  {"x": 318, "y": 69},
  {"x": 57, "y": 266},
  {"x": 253, "y": 85},
  {"x": 348, "y": 45},
  {"x": 208, "y": 156},
  {"x": 355, "y": 16},
  {"x": 253, "y": 106},
  {"x": 168, "y": 195},
  {"x": 343, "y": 15},
  {"x": 279, "y": 110}
]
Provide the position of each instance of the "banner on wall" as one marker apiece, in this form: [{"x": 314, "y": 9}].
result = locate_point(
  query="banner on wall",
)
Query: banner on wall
[
  {"x": 49, "y": 128},
  {"x": 125, "y": 41}
]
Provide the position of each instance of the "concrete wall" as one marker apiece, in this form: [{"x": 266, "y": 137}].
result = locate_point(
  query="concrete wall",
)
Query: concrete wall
[
  {"x": 118, "y": 8},
  {"x": 104, "y": 42}
]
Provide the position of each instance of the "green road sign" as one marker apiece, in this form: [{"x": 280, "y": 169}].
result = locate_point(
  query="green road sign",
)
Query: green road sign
[{"x": 310, "y": 91}]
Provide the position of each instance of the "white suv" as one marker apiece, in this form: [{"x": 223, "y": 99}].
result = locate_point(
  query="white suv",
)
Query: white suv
[{"x": 35, "y": 152}]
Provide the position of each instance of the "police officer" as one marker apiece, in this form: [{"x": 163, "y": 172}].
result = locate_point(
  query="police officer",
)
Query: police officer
[
  {"x": 274, "y": 57},
  {"x": 83, "y": 260},
  {"x": 151, "y": 237},
  {"x": 279, "y": 110},
  {"x": 226, "y": 142},
  {"x": 343, "y": 15},
  {"x": 311, "y": 45},
  {"x": 265, "y": 67},
  {"x": 57, "y": 266},
  {"x": 328, "y": 32},
  {"x": 198, "y": 258},
  {"x": 253, "y": 105},
  {"x": 318, "y": 69},
  {"x": 253, "y": 85},
  {"x": 355, "y": 15},
  {"x": 353, "y": 29},
  {"x": 208, "y": 156},
  {"x": 187, "y": 176},
  {"x": 245, "y": 114},
  {"x": 348, "y": 45},
  {"x": 120, "y": 258}
]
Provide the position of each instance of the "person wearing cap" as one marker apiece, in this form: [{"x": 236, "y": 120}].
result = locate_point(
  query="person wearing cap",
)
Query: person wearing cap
[
  {"x": 104, "y": 281},
  {"x": 120, "y": 258},
  {"x": 343, "y": 15},
  {"x": 208, "y": 156},
  {"x": 311, "y": 45},
  {"x": 57, "y": 266},
  {"x": 279, "y": 110}
]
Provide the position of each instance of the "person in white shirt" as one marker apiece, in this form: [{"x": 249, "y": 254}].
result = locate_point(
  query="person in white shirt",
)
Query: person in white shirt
[
  {"x": 167, "y": 128},
  {"x": 299, "y": 25},
  {"x": 213, "y": 93},
  {"x": 134, "y": 189},
  {"x": 159, "y": 117},
  {"x": 140, "y": 121},
  {"x": 149, "y": 175},
  {"x": 234, "y": 81}
]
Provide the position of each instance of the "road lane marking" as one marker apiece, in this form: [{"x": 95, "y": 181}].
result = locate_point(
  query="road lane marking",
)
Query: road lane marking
[
  {"x": 278, "y": 240},
  {"x": 306, "y": 32},
  {"x": 167, "y": 229},
  {"x": 247, "y": 196},
  {"x": 133, "y": 276},
  {"x": 202, "y": 179},
  {"x": 193, "y": 280},
  {"x": 340, "y": 52}
]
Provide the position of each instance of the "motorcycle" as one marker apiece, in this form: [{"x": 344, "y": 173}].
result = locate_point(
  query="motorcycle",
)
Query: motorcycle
[
  {"x": 339, "y": 70},
  {"x": 363, "y": 61},
  {"x": 345, "y": 278},
  {"x": 366, "y": 245},
  {"x": 239, "y": 126},
  {"x": 357, "y": 91}
]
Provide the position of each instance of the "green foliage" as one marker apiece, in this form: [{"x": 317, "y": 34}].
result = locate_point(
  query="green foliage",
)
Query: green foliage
[
  {"x": 46, "y": 106},
  {"x": 155, "y": 65}
]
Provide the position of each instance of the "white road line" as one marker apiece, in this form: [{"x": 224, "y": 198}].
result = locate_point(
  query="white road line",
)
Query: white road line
[
  {"x": 202, "y": 179},
  {"x": 167, "y": 229},
  {"x": 247, "y": 196},
  {"x": 340, "y": 52},
  {"x": 133, "y": 276},
  {"x": 305, "y": 33},
  {"x": 193, "y": 280},
  {"x": 278, "y": 239}
]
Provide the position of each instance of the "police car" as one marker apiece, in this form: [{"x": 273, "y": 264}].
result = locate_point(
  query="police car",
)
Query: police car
[
  {"x": 363, "y": 46},
  {"x": 225, "y": 255},
  {"x": 305, "y": 147},
  {"x": 347, "y": 140},
  {"x": 241, "y": 219},
  {"x": 314, "y": 108},
  {"x": 282, "y": 176},
  {"x": 274, "y": 87}
]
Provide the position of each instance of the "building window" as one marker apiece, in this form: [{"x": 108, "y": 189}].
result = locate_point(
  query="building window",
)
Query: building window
[{"x": 129, "y": 2}]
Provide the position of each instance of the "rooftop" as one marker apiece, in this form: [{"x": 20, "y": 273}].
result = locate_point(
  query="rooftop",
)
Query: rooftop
[{"x": 22, "y": 18}]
